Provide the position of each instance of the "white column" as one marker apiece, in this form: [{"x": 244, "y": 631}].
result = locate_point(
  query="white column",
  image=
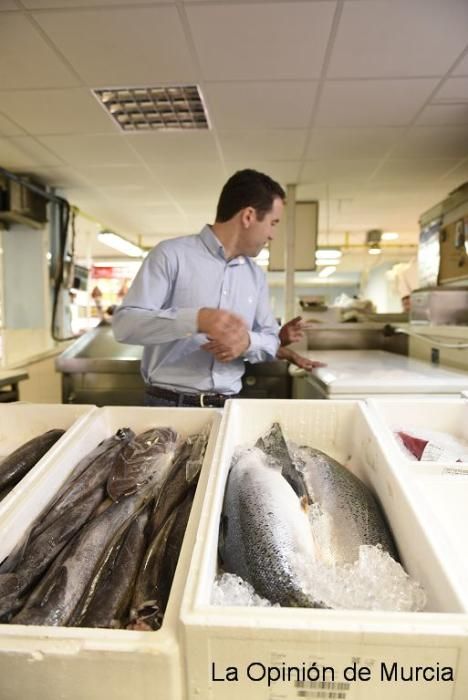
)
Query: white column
[{"x": 290, "y": 252}]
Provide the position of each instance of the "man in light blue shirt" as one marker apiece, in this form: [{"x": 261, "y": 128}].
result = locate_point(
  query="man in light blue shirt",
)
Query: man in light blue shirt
[{"x": 199, "y": 304}]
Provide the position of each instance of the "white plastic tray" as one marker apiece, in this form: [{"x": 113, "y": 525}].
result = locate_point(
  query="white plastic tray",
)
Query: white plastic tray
[
  {"x": 48, "y": 663},
  {"x": 238, "y": 636},
  {"x": 20, "y": 422}
]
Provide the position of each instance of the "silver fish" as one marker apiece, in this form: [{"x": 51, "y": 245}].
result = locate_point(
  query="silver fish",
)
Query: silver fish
[
  {"x": 265, "y": 534},
  {"x": 351, "y": 515}
]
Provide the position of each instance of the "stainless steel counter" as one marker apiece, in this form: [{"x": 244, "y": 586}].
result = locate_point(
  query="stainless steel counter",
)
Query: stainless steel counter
[
  {"x": 97, "y": 369},
  {"x": 355, "y": 336}
]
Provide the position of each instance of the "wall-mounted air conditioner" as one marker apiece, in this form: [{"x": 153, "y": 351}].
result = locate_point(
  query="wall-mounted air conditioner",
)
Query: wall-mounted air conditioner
[{"x": 20, "y": 205}]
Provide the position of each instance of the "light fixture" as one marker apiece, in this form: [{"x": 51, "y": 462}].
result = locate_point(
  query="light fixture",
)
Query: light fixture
[
  {"x": 160, "y": 107},
  {"x": 327, "y": 254},
  {"x": 374, "y": 249},
  {"x": 390, "y": 235},
  {"x": 113, "y": 240},
  {"x": 327, "y": 271}
]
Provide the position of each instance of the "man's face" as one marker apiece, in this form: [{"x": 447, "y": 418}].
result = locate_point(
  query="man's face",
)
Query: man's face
[{"x": 258, "y": 233}]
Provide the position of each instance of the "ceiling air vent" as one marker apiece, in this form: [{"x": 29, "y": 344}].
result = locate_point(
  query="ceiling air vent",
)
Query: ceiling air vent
[{"x": 148, "y": 108}]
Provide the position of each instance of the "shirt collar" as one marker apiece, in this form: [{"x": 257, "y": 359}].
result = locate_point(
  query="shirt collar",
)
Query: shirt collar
[{"x": 215, "y": 246}]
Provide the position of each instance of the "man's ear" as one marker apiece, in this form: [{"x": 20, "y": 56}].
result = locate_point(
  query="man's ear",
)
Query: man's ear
[{"x": 247, "y": 216}]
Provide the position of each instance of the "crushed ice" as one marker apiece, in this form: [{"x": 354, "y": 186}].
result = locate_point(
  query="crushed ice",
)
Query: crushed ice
[
  {"x": 374, "y": 582},
  {"x": 230, "y": 589}
]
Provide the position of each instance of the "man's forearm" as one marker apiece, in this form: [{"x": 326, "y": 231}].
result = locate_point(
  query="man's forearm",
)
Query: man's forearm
[{"x": 137, "y": 326}]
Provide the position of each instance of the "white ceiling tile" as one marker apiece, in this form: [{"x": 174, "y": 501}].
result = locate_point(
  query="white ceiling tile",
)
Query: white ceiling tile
[
  {"x": 260, "y": 41},
  {"x": 443, "y": 115},
  {"x": 27, "y": 61},
  {"x": 137, "y": 196},
  {"x": 21, "y": 152},
  {"x": 175, "y": 148},
  {"x": 458, "y": 175},
  {"x": 452, "y": 90},
  {"x": 118, "y": 47},
  {"x": 62, "y": 177},
  {"x": 93, "y": 149},
  {"x": 267, "y": 144},
  {"x": 372, "y": 102},
  {"x": 398, "y": 38},
  {"x": 256, "y": 105},
  {"x": 433, "y": 142},
  {"x": 462, "y": 68},
  {"x": 57, "y": 111},
  {"x": 352, "y": 143},
  {"x": 67, "y": 4},
  {"x": 283, "y": 171},
  {"x": 186, "y": 191},
  {"x": 328, "y": 171},
  {"x": 7, "y": 127},
  {"x": 114, "y": 175},
  {"x": 406, "y": 171}
]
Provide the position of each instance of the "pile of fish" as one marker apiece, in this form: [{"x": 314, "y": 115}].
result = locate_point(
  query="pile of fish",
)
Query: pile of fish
[
  {"x": 19, "y": 462},
  {"x": 275, "y": 496},
  {"x": 105, "y": 552}
]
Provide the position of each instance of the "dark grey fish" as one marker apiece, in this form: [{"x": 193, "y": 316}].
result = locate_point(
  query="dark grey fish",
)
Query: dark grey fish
[
  {"x": 182, "y": 476},
  {"x": 274, "y": 446},
  {"x": 55, "y": 599},
  {"x": 147, "y": 457},
  {"x": 148, "y": 600},
  {"x": 265, "y": 535},
  {"x": 90, "y": 473},
  {"x": 39, "y": 553},
  {"x": 108, "y": 600},
  {"x": 355, "y": 516},
  {"x": 24, "y": 458}
]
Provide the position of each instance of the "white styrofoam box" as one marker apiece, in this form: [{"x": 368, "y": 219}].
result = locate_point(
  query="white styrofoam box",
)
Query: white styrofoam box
[
  {"x": 20, "y": 422},
  {"x": 448, "y": 415},
  {"x": 49, "y": 663},
  {"x": 220, "y": 637}
]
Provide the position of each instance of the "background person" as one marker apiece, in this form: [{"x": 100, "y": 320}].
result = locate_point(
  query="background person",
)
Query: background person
[{"x": 199, "y": 304}]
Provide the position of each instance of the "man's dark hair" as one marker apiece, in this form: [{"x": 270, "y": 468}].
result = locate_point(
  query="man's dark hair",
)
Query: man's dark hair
[{"x": 248, "y": 188}]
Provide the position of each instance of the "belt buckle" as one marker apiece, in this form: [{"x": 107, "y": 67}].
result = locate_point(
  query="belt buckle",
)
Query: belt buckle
[{"x": 209, "y": 399}]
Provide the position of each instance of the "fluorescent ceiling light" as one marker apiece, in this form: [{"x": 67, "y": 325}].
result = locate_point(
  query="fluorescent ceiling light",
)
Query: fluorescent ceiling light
[
  {"x": 374, "y": 249},
  {"x": 390, "y": 235},
  {"x": 328, "y": 253},
  {"x": 120, "y": 244},
  {"x": 160, "y": 107},
  {"x": 327, "y": 271}
]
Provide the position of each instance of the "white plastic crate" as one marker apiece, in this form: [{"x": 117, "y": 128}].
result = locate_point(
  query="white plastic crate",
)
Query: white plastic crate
[
  {"x": 20, "y": 422},
  {"x": 440, "y": 488},
  {"x": 48, "y": 663},
  {"x": 220, "y": 637},
  {"x": 442, "y": 415}
]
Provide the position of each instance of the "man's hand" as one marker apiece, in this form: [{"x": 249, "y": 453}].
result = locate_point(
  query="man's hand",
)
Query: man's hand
[
  {"x": 298, "y": 360},
  {"x": 228, "y": 336},
  {"x": 292, "y": 331}
]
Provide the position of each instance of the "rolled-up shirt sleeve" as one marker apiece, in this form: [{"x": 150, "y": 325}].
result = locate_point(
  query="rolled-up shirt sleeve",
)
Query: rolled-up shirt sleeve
[
  {"x": 144, "y": 317},
  {"x": 264, "y": 338}
]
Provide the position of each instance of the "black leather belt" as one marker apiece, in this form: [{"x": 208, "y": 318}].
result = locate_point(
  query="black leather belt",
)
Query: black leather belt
[{"x": 181, "y": 399}]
